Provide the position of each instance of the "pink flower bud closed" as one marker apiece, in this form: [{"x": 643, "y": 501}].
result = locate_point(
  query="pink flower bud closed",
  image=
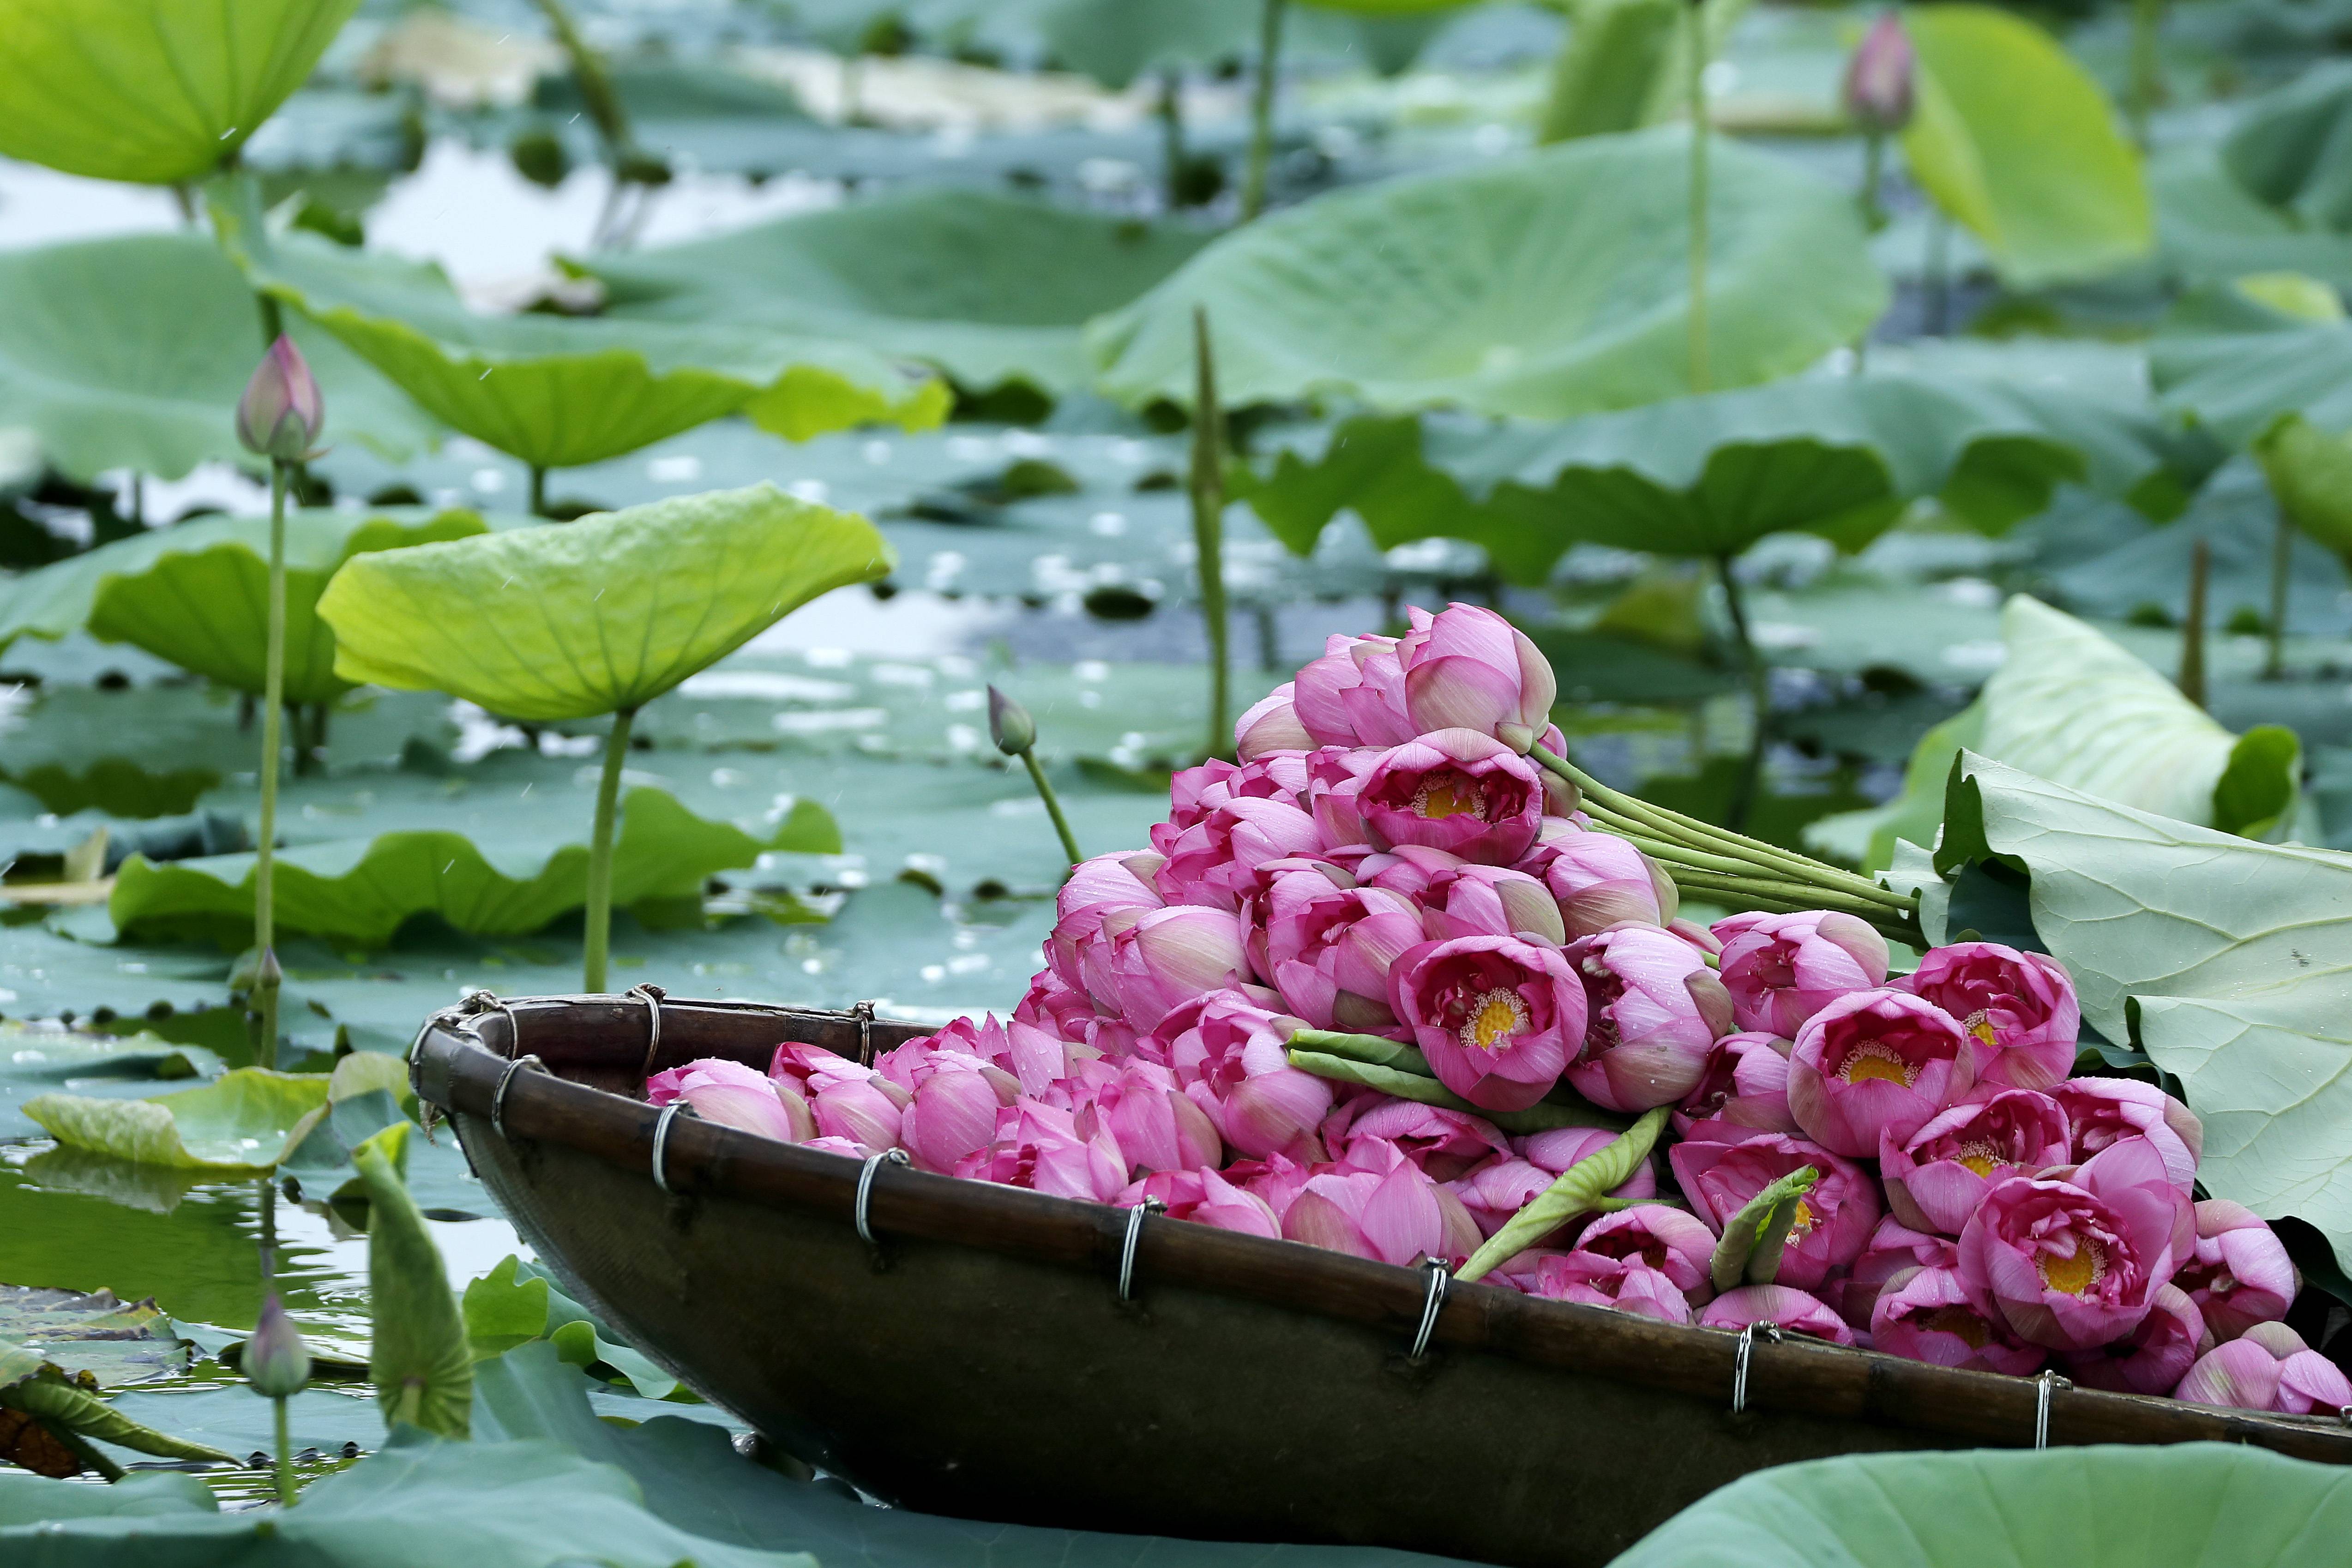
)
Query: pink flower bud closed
[
  {"x": 1626, "y": 1284},
  {"x": 1782, "y": 969},
  {"x": 1928, "y": 1316},
  {"x": 1270, "y": 724},
  {"x": 1353, "y": 694},
  {"x": 1497, "y": 1017},
  {"x": 1170, "y": 956},
  {"x": 1678, "y": 1245},
  {"x": 1329, "y": 950},
  {"x": 1833, "y": 1223},
  {"x": 1875, "y": 1064},
  {"x": 281, "y": 413},
  {"x": 1655, "y": 1009},
  {"x": 2239, "y": 1274},
  {"x": 1878, "y": 90},
  {"x": 735, "y": 1095},
  {"x": 1467, "y": 668},
  {"x": 2239, "y": 1375},
  {"x": 1205, "y": 1198},
  {"x": 1743, "y": 1081},
  {"x": 1231, "y": 1055},
  {"x": 1601, "y": 881},
  {"x": 2020, "y": 1008},
  {"x": 1396, "y": 1217},
  {"x": 1466, "y": 900},
  {"x": 1792, "y": 1309},
  {"x": 2103, "y": 1111}
]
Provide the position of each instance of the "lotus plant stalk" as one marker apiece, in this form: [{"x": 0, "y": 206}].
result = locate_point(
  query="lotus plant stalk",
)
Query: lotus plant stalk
[
  {"x": 1879, "y": 96},
  {"x": 1759, "y": 695},
  {"x": 280, "y": 418},
  {"x": 1171, "y": 111},
  {"x": 1696, "y": 86},
  {"x": 599, "y": 939},
  {"x": 2192, "y": 632},
  {"x": 1208, "y": 487},
  {"x": 1261, "y": 146},
  {"x": 2147, "y": 71},
  {"x": 2282, "y": 564},
  {"x": 1015, "y": 735},
  {"x": 278, "y": 1364},
  {"x": 538, "y": 491}
]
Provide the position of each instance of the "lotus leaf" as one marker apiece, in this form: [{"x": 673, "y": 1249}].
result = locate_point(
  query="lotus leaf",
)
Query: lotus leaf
[
  {"x": 516, "y": 1302},
  {"x": 991, "y": 289},
  {"x": 33, "y": 1063},
  {"x": 2228, "y": 961},
  {"x": 557, "y": 393},
  {"x": 114, "y": 1343},
  {"x": 198, "y": 594},
  {"x": 1709, "y": 476},
  {"x": 32, "y": 1499},
  {"x": 242, "y": 1125},
  {"x": 131, "y": 352},
  {"x": 2017, "y": 143},
  {"x": 597, "y": 617},
  {"x": 2289, "y": 147},
  {"x": 157, "y": 92},
  {"x": 2240, "y": 384},
  {"x": 362, "y": 891},
  {"x": 2311, "y": 476},
  {"x": 2067, "y": 703},
  {"x": 1540, "y": 285},
  {"x": 2191, "y": 1505}
]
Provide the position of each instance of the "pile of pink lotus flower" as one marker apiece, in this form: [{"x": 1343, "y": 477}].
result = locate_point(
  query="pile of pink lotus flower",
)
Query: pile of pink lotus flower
[{"x": 1386, "y": 862}]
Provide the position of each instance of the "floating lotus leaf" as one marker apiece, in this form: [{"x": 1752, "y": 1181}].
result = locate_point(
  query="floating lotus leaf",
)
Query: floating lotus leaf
[
  {"x": 113, "y": 1341},
  {"x": 1709, "y": 476},
  {"x": 2240, "y": 384},
  {"x": 990, "y": 288},
  {"x": 152, "y": 90},
  {"x": 601, "y": 614},
  {"x": 557, "y": 393},
  {"x": 2018, "y": 144},
  {"x": 197, "y": 594},
  {"x": 241, "y": 1125},
  {"x": 2106, "y": 1507},
  {"x": 131, "y": 353},
  {"x": 1542, "y": 286},
  {"x": 2289, "y": 148}
]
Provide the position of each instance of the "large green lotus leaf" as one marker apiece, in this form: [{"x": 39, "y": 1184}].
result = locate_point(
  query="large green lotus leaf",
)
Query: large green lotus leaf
[
  {"x": 1542, "y": 286},
  {"x": 2292, "y": 147},
  {"x": 243, "y": 1125},
  {"x": 557, "y": 393},
  {"x": 991, "y": 289},
  {"x": 29, "y": 1500},
  {"x": 2212, "y": 229},
  {"x": 2228, "y": 961},
  {"x": 132, "y": 353},
  {"x": 362, "y": 890},
  {"x": 114, "y": 1343},
  {"x": 2192, "y": 1505},
  {"x": 603, "y": 614},
  {"x": 2240, "y": 384},
  {"x": 2311, "y": 476},
  {"x": 158, "y": 91},
  {"x": 45, "y": 1062},
  {"x": 2018, "y": 144},
  {"x": 2068, "y": 704},
  {"x": 198, "y": 594},
  {"x": 1708, "y": 475}
]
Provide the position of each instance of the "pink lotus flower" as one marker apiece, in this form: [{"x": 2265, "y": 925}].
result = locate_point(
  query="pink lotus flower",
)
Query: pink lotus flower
[
  {"x": 1078, "y": 951},
  {"x": 1329, "y": 949},
  {"x": 1194, "y": 793},
  {"x": 1488, "y": 901},
  {"x": 955, "y": 1097},
  {"x": 1210, "y": 863},
  {"x": 1468, "y": 668},
  {"x": 1335, "y": 783},
  {"x": 1456, "y": 791},
  {"x": 2239, "y": 1274},
  {"x": 1047, "y": 1149},
  {"x": 1928, "y": 1316},
  {"x": 2020, "y": 1008},
  {"x": 1396, "y": 1217},
  {"x": 1782, "y": 969},
  {"x": 1154, "y": 1124},
  {"x": 1655, "y": 1008},
  {"x": 2297, "y": 1380},
  {"x": 1232, "y": 1058},
  {"x": 1873, "y": 1064},
  {"x": 2239, "y": 1375},
  {"x": 2104, "y": 1112},
  {"x": 1205, "y": 1198},
  {"x": 1600, "y": 880},
  {"x": 1677, "y": 1245},
  {"x": 1936, "y": 1178},
  {"x": 1053, "y": 1006},
  {"x": 281, "y": 411},
  {"x": 1369, "y": 1131},
  {"x": 1271, "y": 725},
  {"x": 1878, "y": 90},
  {"x": 1353, "y": 694},
  {"x": 1170, "y": 955},
  {"x": 1743, "y": 1079},
  {"x": 1627, "y": 1285},
  {"x": 1497, "y": 1017},
  {"x": 1893, "y": 1252},
  {"x": 1791, "y": 1309},
  {"x": 2071, "y": 1265},
  {"x": 1834, "y": 1221},
  {"x": 735, "y": 1095},
  {"x": 848, "y": 1101},
  {"x": 2152, "y": 1358}
]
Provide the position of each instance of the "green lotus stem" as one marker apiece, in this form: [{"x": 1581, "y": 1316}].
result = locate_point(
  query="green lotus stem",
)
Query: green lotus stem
[
  {"x": 1580, "y": 1189},
  {"x": 538, "y": 491},
  {"x": 1938, "y": 279},
  {"x": 1388, "y": 1055},
  {"x": 1540, "y": 1118},
  {"x": 1759, "y": 697},
  {"x": 285, "y": 1457},
  {"x": 2147, "y": 73},
  {"x": 2282, "y": 564},
  {"x": 597, "y": 94},
  {"x": 273, "y": 718},
  {"x": 88, "y": 1452},
  {"x": 1696, "y": 85},
  {"x": 1679, "y": 858},
  {"x": 1171, "y": 111},
  {"x": 1052, "y": 804},
  {"x": 2192, "y": 630},
  {"x": 600, "y": 855},
  {"x": 1261, "y": 145},
  {"x": 1874, "y": 165},
  {"x": 1208, "y": 490}
]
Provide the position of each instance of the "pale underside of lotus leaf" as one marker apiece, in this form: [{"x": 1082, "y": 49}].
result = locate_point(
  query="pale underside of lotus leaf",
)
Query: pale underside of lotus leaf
[
  {"x": 2241, "y": 385},
  {"x": 131, "y": 354},
  {"x": 197, "y": 594},
  {"x": 1709, "y": 477},
  {"x": 1542, "y": 285},
  {"x": 151, "y": 91},
  {"x": 592, "y": 617},
  {"x": 991, "y": 289},
  {"x": 556, "y": 393}
]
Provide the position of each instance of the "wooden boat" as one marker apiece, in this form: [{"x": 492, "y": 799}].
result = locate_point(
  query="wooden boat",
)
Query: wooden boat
[{"x": 979, "y": 1357}]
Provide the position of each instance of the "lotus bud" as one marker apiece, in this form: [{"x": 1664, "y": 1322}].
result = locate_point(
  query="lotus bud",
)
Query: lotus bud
[
  {"x": 268, "y": 975},
  {"x": 1879, "y": 79},
  {"x": 1600, "y": 880},
  {"x": 1793, "y": 1310},
  {"x": 2240, "y": 1274},
  {"x": 1784, "y": 969},
  {"x": 2020, "y": 1008},
  {"x": 1009, "y": 724},
  {"x": 281, "y": 413},
  {"x": 276, "y": 1360},
  {"x": 1627, "y": 1284},
  {"x": 1468, "y": 668},
  {"x": 2152, "y": 1358},
  {"x": 1651, "y": 1028},
  {"x": 1929, "y": 1317},
  {"x": 1875, "y": 1063},
  {"x": 1519, "y": 737},
  {"x": 1271, "y": 726}
]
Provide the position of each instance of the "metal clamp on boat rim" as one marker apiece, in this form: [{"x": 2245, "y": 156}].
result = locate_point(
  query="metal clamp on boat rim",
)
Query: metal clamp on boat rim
[
  {"x": 661, "y": 1144},
  {"x": 866, "y": 1191},
  {"x": 2047, "y": 1383},
  {"x": 652, "y": 996},
  {"x": 863, "y": 1013},
  {"x": 1127, "y": 1248},
  {"x": 1441, "y": 1280},
  {"x": 498, "y": 1095},
  {"x": 1748, "y": 1338}
]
